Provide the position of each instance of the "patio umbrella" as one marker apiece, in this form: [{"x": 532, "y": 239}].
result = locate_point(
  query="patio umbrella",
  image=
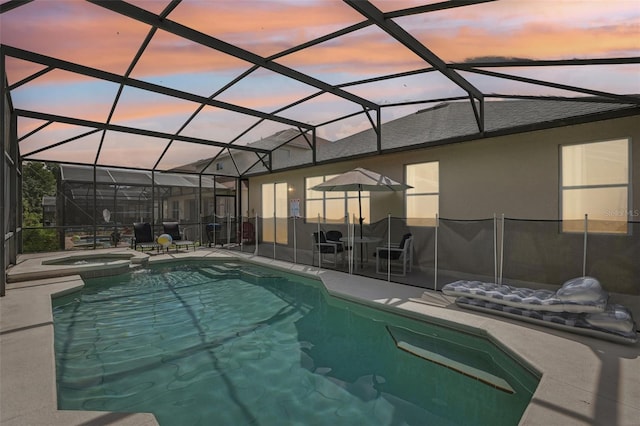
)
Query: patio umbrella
[{"x": 361, "y": 180}]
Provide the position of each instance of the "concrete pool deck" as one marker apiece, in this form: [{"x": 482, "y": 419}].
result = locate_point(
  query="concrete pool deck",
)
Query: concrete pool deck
[{"x": 584, "y": 381}]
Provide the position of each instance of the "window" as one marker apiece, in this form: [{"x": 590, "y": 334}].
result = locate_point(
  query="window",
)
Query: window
[
  {"x": 274, "y": 213},
  {"x": 595, "y": 182},
  {"x": 423, "y": 199},
  {"x": 282, "y": 154},
  {"x": 191, "y": 210},
  {"x": 175, "y": 210},
  {"x": 333, "y": 206}
]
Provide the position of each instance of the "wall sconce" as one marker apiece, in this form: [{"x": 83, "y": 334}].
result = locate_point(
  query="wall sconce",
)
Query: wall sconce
[{"x": 291, "y": 188}]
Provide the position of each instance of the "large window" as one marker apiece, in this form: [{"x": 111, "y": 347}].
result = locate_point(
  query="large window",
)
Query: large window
[
  {"x": 333, "y": 206},
  {"x": 595, "y": 182},
  {"x": 274, "y": 213},
  {"x": 423, "y": 198}
]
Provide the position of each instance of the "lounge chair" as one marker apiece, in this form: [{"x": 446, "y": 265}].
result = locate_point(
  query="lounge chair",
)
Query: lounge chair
[
  {"x": 579, "y": 306},
  {"x": 143, "y": 237},
  {"x": 173, "y": 229},
  {"x": 402, "y": 252}
]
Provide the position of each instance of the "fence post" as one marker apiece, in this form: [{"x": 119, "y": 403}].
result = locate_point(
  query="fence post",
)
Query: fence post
[
  {"x": 388, "y": 249},
  {"x": 275, "y": 236},
  {"x": 501, "y": 251},
  {"x": 495, "y": 248},
  {"x": 435, "y": 260},
  {"x": 241, "y": 234},
  {"x": 316, "y": 242},
  {"x": 584, "y": 251},
  {"x": 255, "y": 250},
  {"x": 295, "y": 241},
  {"x": 352, "y": 244},
  {"x": 216, "y": 226},
  {"x": 349, "y": 245}
]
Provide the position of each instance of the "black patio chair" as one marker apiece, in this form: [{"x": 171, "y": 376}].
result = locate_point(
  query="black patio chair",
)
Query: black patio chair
[
  {"x": 336, "y": 236},
  {"x": 173, "y": 229},
  {"x": 143, "y": 237}
]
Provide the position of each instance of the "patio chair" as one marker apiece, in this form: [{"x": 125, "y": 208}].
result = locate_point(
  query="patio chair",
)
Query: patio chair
[
  {"x": 143, "y": 237},
  {"x": 246, "y": 233},
  {"x": 402, "y": 252},
  {"x": 173, "y": 229},
  {"x": 213, "y": 234},
  {"x": 336, "y": 236},
  {"x": 324, "y": 246}
]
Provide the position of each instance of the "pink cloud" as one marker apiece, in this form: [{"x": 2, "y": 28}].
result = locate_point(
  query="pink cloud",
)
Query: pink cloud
[
  {"x": 131, "y": 111},
  {"x": 74, "y": 31},
  {"x": 540, "y": 41},
  {"x": 266, "y": 27},
  {"x": 91, "y": 35}
]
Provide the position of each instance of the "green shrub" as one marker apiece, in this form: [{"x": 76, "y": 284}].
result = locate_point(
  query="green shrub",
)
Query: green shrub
[{"x": 39, "y": 240}]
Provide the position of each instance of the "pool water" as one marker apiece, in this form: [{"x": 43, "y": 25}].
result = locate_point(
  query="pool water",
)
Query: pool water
[{"x": 231, "y": 344}]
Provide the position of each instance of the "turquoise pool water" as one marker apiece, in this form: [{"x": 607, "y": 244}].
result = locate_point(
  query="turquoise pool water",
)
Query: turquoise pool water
[{"x": 232, "y": 344}]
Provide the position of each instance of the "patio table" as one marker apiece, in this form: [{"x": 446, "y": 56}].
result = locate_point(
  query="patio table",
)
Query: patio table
[{"x": 359, "y": 244}]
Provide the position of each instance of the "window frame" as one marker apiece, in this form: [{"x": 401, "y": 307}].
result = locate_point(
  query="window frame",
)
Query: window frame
[
  {"x": 323, "y": 197},
  {"x": 175, "y": 210},
  {"x": 278, "y": 231},
  {"x": 629, "y": 212},
  {"x": 408, "y": 195}
]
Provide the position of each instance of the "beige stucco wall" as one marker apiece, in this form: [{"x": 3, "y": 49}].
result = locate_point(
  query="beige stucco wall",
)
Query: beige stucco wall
[{"x": 517, "y": 175}]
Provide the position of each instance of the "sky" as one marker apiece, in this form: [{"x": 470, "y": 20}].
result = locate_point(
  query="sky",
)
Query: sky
[{"x": 93, "y": 36}]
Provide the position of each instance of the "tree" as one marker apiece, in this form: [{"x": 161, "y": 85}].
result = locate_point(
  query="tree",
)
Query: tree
[{"x": 38, "y": 180}]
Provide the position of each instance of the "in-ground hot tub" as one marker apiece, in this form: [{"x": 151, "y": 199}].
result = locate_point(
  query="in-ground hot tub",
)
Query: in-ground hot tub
[
  {"x": 88, "y": 259},
  {"x": 85, "y": 264}
]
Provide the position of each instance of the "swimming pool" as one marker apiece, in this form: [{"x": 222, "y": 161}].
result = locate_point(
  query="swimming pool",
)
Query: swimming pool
[{"x": 230, "y": 343}]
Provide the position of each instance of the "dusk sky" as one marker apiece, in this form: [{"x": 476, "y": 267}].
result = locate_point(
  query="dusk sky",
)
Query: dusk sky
[{"x": 91, "y": 35}]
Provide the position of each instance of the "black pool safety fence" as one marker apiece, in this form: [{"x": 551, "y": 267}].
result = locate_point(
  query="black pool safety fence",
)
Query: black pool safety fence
[
  {"x": 418, "y": 252},
  {"x": 519, "y": 252}
]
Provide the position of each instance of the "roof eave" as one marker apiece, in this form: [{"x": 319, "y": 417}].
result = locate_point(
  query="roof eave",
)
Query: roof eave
[{"x": 551, "y": 124}]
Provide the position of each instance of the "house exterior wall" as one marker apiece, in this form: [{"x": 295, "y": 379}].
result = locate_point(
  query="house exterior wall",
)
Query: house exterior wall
[
  {"x": 517, "y": 175},
  {"x": 514, "y": 175}
]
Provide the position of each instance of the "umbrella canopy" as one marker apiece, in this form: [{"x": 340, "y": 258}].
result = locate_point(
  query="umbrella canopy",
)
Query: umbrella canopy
[{"x": 361, "y": 180}]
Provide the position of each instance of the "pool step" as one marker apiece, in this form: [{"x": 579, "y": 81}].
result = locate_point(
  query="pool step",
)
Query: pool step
[
  {"x": 224, "y": 269},
  {"x": 259, "y": 276},
  {"x": 235, "y": 270},
  {"x": 455, "y": 357},
  {"x": 217, "y": 274}
]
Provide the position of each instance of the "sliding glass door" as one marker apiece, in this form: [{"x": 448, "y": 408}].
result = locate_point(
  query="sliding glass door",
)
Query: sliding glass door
[{"x": 274, "y": 212}]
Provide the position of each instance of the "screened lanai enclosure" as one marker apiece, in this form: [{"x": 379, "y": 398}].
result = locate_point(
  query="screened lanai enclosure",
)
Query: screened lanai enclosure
[
  {"x": 164, "y": 110},
  {"x": 102, "y": 215}
]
